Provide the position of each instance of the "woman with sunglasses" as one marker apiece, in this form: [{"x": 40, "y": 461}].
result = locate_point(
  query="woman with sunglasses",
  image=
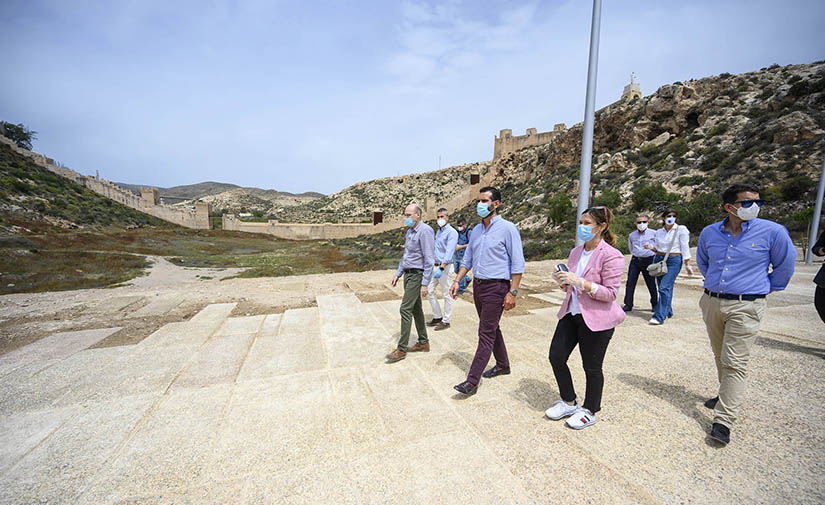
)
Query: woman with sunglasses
[
  {"x": 676, "y": 239},
  {"x": 588, "y": 315}
]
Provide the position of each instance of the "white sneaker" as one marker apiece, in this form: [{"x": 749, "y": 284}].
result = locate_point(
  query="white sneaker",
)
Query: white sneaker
[
  {"x": 560, "y": 409},
  {"x": 653, "y": 320},
  {"x": 581, "y": 419}
]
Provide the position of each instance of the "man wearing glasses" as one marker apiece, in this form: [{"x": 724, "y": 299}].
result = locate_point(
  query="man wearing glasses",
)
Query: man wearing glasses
[
  {"x": 743, "y": 258},
  {"x": 641, "y": 258}
]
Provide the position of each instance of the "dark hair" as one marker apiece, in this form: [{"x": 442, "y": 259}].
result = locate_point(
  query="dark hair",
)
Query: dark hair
[
  {"x": 442, "y": 209},
  {"x": 670, "y": 211},
  {"x": 603, "y": 215},
  {"x": 730, "y": 194},
  {"x": 495, "y": 194},
  {"x": 460, "y": 219}
]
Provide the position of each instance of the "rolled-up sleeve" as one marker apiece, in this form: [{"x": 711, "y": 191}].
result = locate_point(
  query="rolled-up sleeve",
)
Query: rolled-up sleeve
[
  {"x": 783, "y": 259},
  {"x": 452, "y": 241}
]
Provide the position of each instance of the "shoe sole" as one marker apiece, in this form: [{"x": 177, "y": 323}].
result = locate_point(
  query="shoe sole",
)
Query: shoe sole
[
  {"x": 493, "y": 376},
  {"x": 394, "y": 360},
  {"x": 723, "y": 442},
  {"x": 579, "y": 427},
  {"x": 560, "y": 417}
]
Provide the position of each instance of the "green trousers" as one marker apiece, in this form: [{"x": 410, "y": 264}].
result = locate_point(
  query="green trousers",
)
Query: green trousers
[{"x": 411, "y": 308}]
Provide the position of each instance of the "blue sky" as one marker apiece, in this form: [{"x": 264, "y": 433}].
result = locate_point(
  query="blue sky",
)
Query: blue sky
[{"x": 317, "y": 95}]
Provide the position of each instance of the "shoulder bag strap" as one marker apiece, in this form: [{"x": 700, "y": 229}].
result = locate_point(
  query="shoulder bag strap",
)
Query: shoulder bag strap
[{"x": 675, "y": 233}]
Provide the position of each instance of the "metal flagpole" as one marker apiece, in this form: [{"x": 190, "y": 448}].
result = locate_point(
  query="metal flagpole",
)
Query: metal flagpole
[
  {"x": 589, "y": 113},
  {"x": 809, "y": 258}
]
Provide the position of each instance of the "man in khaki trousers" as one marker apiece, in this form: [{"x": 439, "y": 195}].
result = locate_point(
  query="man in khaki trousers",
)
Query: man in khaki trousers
[{"x": 734, "y": 255}]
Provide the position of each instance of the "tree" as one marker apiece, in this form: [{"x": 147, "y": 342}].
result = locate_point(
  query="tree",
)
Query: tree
[
  {"x": 652, "y": 196},
  {"x": 561, "y": 208},
  {"x": 21, "y": 135},
  {"x": 610, "y": 198}
]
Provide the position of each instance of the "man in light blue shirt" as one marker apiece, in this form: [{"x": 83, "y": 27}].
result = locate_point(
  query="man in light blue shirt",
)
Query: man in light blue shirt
[
  {"x": 416, "y": 266},
  {"x": 640, "y": 258},
  {"x": 736, "y": 255},
  {"x": 446, "y": 239},
  {"x": 495, "y": 255}
]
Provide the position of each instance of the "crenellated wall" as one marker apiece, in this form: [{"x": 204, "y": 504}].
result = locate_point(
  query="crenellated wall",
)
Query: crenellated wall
[
  {"x": 147, "y": 202},
  {"x": 505, "y": 142}
]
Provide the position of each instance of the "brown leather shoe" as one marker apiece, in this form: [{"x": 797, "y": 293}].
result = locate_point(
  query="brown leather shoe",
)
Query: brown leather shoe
[
  {"x": 434, "y": 322},
  {"x": 442, "y": 326},
  {"x": 396, "y": 355},
  {"x": 419, "y": 347}
]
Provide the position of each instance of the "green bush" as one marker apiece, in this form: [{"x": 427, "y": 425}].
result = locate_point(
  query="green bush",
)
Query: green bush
[
  {"x": 651, "y": 196},
  {"x": 795, "y": 187},
  {"x": 610, "y": 198},
  {"x": 560, "y": 208}
]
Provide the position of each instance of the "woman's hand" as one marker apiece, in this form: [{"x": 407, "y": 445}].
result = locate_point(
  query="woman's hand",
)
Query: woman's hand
[{"x": 568, "y": 279}]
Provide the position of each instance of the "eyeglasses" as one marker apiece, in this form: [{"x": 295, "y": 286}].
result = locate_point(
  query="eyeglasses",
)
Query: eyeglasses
[
  {"x": 641, "y": 222},
  {"x": 604, "y": 211},
  {"x": 748, "y": 203}
]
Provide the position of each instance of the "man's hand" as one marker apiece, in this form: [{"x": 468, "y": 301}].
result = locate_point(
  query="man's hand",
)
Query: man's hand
[
  {"x": 394, "y": 281},
  {"x": 509, "y": 301},
  {"x": 689, "y": 270},
  {"x": 454, "y": 289},
  {"x": 424, "y": 291}
]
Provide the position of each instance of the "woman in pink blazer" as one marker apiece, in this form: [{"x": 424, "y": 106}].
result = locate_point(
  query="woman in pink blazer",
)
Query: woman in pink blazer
[{"x": 588, "y": 315}]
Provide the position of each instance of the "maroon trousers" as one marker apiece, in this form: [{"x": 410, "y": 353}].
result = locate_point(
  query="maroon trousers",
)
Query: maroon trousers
[{"x": 489, "y": 300}]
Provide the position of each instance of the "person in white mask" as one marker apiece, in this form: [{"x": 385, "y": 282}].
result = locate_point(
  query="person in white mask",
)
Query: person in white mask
[
  {"x": 743, "y": 259},
  {"x": 676, "y": 239},
  {"x": 446, "y": 239},
  {"x": 640, "y": 259}
]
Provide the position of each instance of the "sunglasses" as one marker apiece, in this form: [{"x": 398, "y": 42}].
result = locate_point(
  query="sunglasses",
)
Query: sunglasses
[
  {"x": 601, "y": 208},
  {"x": 641, "y": 222},
  {"x": 748, "y": 203}
]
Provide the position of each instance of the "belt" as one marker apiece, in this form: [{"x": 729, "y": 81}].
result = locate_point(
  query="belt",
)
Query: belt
[
  {"x": 486, "y": 281},
  {"x": 410, "y": 270},
  {"x": 671, "y": 255},
  {"x": 741, "y": 298},
  {"x": 643, "y": 257}
]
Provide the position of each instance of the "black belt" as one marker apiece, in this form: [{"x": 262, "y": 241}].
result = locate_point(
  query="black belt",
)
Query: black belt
[
  {"x": 485, "y": 281},
  {"x": 643, "y": 257},
  {"x": 409, "y": 270},
  {"x": 741, "y": 298}
]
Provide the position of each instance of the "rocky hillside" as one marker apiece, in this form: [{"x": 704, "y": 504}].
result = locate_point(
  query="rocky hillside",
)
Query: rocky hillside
[
  {"x": 389, "y": 195},
  {"x": 679, "y": 147},
  {"x": 33, "y": 199}
]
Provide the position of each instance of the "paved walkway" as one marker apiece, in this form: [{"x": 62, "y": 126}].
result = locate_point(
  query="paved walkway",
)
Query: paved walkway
[{"x": 300, "y": 407}]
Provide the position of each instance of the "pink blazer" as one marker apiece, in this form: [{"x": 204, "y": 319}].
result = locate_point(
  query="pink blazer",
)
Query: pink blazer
[{"x": 605, "y": 268}]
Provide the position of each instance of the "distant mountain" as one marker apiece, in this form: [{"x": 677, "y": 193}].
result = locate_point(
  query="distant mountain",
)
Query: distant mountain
[{"x": 209, "y": 188}]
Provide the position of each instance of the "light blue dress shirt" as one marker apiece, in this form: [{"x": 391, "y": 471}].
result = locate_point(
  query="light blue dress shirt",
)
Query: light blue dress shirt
[
  {"x": 495, "y": 251},
  {"x": 446, "y": 239},
  {"x": 740, "y": 265},
  {"x": 636, "y": 243},
  {"x": 418, "y": 252}
]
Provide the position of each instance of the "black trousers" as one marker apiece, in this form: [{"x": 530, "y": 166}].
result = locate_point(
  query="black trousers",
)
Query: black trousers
[
  {"x": 819, "y": 302},
  {"x": 572, "y": 330},
  {"x": 639, "y": 265}
]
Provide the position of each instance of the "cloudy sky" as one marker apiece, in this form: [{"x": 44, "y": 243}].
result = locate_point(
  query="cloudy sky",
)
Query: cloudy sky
[{"x": 317, "y": 95}]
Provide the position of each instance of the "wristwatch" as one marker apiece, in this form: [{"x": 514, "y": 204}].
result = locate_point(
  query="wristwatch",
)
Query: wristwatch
[{"x": 514, "y": 292}]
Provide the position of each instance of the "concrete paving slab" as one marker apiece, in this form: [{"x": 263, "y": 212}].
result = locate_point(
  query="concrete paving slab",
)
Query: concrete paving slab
[
  {"x": 58, "y": 346},
  {"x": 350, "y": 333},
  {"x": 554, "y": 297},
  {"x": 213, "y": 315},
  {"x": 22, "y": 433},
  {"x": 158, "y": 306},
  {"x": 61, "y": 466},
  {"x": 217, "y": 362},
  {"x": 303, "y": 321},
  {"x": 271, "y": 325},
  {"x": 248, "y": 325}
]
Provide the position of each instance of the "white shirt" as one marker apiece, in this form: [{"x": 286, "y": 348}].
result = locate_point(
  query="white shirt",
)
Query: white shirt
[
  {"x": 680, "y": 246},
  {"x": 574, "y": 299}
]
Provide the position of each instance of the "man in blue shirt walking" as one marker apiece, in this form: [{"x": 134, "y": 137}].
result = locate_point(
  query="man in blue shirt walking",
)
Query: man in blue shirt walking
[
  {"x": 736, "y": 255},
  {"x": 495, "y": 255},
  {"x": 416, "y": 266},
  {"x": 446, "y": 239},
  {"x": 461, "y": 246}
]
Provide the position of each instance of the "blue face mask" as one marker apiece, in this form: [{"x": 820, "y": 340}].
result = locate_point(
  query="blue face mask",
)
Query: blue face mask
[
  {"x": 483, "y": 210},
  {"x": 409, "y": 221},
  {"x": 585, "y": 232}
]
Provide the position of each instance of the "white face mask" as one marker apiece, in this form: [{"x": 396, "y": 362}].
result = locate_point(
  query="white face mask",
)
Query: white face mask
[
  {"x": 441, "y": 223},
  {"x": 670, "y": 220},
  {"x": 641, "y": 226},
  {"x": 748, "y": 213}
]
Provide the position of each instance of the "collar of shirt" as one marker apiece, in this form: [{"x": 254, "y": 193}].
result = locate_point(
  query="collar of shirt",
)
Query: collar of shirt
[{"x": 492, "y": 222}]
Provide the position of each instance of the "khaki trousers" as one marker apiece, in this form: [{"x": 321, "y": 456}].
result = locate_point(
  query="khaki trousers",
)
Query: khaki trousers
[{"x": 732, "y": 328}]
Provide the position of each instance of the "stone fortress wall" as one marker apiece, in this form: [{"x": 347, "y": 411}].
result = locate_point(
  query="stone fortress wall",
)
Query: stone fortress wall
[{"x": 148, "y": 201}]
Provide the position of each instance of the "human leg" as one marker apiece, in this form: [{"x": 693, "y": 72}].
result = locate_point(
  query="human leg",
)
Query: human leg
[
  {"x": 446, "y": 282},
  {"x": 664, "y": 309},
  {"x": 564, "y": 341},
  {"x": 593, "y": 346},
  {"x": 650, "y": 281},
  {"x": 434, "y": 282},
  {"x": 819, "y": 302},
  {"x": 742, "y": 322},
  {"x": 630, "y": 286},
  {"x": 715, "y": 325},
  {"x": 418, "y": 317},
  {"x": 412, "y": 292},
  {"x": 490, "y": 300}
]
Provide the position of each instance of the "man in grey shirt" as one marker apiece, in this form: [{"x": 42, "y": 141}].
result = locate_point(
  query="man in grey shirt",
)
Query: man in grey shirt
[{"x": 417, "y": 267}]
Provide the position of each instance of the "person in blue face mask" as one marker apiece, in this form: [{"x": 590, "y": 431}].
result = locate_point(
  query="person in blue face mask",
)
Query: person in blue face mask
[
  {"x": 461, "y": 246},
  {"x": 417, "y": 268},
  {"x": 676, "y": 239},
  {"x": 495, "y": 255}
]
